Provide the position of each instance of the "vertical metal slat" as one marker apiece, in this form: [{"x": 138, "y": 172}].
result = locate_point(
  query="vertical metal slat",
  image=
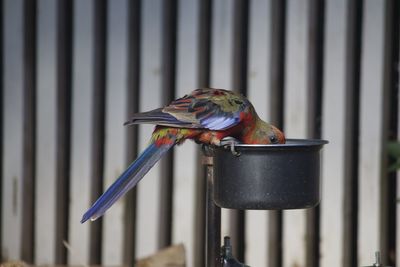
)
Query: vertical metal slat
[
  {"x": 46, "y": 134},
  {"x": 184, "y": 191},
  {"x": 296, "y": 122},
  {"x": 390, "y": 92},
  {"x": 81, "y": 131},
  {"x": 13, "y": 78},
  {"x": 315, "y": 78},
  {"x": 170, "y": 12},
  {"x": 334, "y": 117},
  {"x": 353, "y": 55},
  {"x": 372, "y": 130},
  {"x": 63, "y": 125},
  {"x": 277, "y": 80},
  {"x": 133, "y": 89},
  {"x": 28, "y": 187},
  {"x": 204, "y": 65},
  {"x": 257, "y": 236},
  {"x": 98, "y": 123},
  {"x": 115, "y": 143},
  {"x": 239, "y": 83},
  {"x": 278, "y": 17},
  {"x": 148, "y": 197}
]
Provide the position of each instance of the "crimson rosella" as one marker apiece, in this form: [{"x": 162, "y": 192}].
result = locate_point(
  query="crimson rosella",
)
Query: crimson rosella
[{"x": 206, "y": 116}]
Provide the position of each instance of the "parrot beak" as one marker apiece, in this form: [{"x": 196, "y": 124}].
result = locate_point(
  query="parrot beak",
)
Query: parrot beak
[{"x": 279, "y": 134}]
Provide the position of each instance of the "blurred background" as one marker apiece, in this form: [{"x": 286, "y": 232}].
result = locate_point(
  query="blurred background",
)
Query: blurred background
[{"x": 73, "y": 71}]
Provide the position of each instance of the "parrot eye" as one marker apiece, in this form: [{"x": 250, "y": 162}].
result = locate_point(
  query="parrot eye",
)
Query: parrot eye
[{"x": 273, "y": 139}]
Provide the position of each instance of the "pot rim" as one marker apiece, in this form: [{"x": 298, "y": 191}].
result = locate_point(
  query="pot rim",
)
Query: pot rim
[{"x": 290, "y": 143}]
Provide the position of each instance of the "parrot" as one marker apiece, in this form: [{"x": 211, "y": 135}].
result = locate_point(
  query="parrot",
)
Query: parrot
[{"x": 207, "y": 116}]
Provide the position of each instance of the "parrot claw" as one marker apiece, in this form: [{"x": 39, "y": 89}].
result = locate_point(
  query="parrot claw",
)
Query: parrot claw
[{"x": 230, "y": 142}]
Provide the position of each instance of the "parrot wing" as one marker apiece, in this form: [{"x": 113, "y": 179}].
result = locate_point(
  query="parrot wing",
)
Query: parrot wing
[{"x": 213, "y": 109}]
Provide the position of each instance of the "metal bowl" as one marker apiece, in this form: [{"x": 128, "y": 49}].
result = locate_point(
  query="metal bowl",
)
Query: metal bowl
[{"x": 264, "y": 177}]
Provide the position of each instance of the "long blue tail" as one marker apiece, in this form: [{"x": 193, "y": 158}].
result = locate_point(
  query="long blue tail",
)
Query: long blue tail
[{"x": 128, "y": 179}]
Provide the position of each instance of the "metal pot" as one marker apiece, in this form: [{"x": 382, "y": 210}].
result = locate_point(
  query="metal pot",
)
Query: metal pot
[{"x": 281, "y": 176}]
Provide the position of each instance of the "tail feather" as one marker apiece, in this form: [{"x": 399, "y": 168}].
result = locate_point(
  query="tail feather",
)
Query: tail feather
[{"x": 128, "y": 179}]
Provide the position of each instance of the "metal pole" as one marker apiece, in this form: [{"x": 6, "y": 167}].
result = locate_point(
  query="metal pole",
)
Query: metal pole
[{"x": 213, "y": 219}]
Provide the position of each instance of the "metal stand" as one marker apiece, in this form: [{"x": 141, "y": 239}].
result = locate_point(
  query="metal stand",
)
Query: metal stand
[
  {"x": 213, "y": 218},
  {"x": 215, "y": 255}
]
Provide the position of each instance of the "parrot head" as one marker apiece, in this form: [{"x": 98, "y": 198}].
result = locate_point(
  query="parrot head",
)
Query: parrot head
[
  {"x": 269, "y": 134},
  {"x": 264, "y": 133},
  {"x": 277, "y": 134}
]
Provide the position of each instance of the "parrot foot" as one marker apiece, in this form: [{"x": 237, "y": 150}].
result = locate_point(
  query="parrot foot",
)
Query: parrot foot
[{"x": 230, "y": 142}]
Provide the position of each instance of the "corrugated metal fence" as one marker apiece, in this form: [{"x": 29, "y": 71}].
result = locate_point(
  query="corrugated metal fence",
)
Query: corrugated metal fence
[{"x": 73, "y": 71}]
